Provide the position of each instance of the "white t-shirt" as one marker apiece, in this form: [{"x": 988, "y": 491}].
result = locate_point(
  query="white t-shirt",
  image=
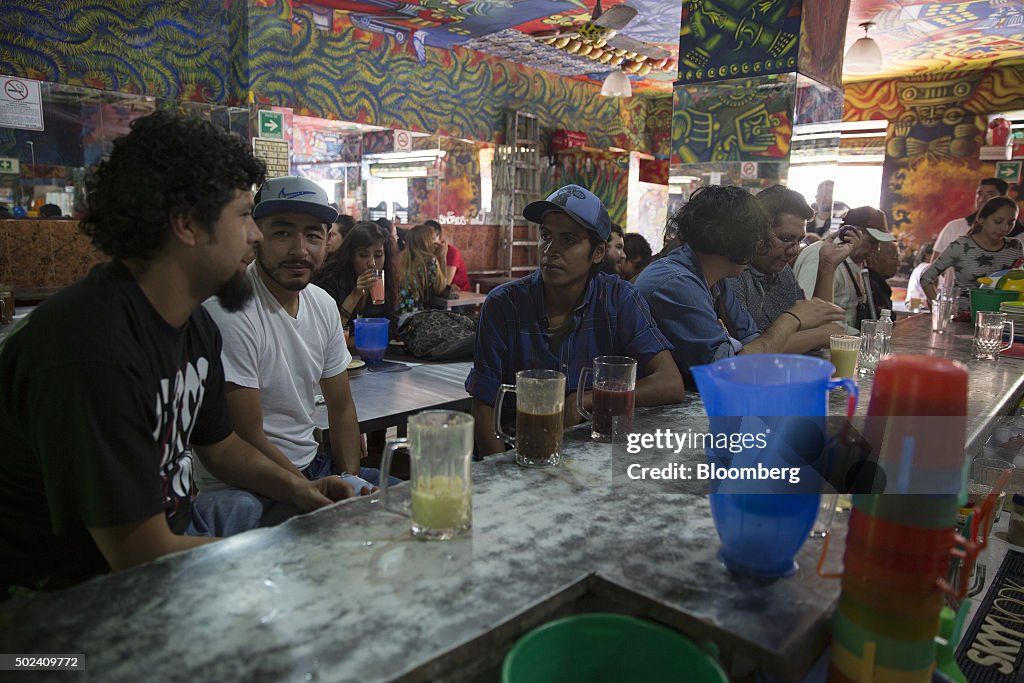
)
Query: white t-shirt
[
  {"x": 954, "y": 229},
  {"x": 844, "y": 293},
  {"x": 285, "y": 358}
]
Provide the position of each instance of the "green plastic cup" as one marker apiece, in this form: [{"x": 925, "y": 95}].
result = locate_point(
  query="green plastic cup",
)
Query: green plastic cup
[{"x": 606, "y": 648}]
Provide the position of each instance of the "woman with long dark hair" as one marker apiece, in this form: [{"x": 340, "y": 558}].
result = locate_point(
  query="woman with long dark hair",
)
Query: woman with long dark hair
[
  {"x": 420, "y": 273},
  {"x": 985, "y": 249},
  {"x": 350, "y": 272}
]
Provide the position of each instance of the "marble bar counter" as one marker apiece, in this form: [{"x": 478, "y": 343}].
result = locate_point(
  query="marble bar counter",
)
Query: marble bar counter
[
  {"x": 993, "y": 388},
  {"x": 346, "y": 594}
]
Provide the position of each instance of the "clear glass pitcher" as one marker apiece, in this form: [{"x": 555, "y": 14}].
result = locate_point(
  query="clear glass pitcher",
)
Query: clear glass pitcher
[{"x": 440, "y": 444}]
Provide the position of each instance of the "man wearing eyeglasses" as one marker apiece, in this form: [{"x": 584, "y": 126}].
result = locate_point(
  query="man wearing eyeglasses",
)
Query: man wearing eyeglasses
[{"x": 767, "y": 288}]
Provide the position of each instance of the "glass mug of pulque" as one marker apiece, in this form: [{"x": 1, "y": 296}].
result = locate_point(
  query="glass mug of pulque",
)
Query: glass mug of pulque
[
  {"x": 540, "y": 406},
  {"x": 440, "y": 446}
]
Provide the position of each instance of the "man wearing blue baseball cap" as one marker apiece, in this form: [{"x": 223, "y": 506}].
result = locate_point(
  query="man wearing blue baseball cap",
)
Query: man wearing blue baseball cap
[
  {"x": 286, "y": 346},
  {"x": 565, "y": 314}
]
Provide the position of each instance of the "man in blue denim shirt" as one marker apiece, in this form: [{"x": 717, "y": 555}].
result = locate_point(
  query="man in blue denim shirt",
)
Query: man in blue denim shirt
[
  {"x": 722, "y": 228},
  {"x": 564, "y": 315}
]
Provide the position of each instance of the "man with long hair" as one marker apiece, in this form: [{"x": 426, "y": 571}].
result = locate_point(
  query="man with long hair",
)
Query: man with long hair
[
  {"x": 109, "y": 382},
  {"x": 722, "y": 228},
  {"x": 767, "y": 287}
]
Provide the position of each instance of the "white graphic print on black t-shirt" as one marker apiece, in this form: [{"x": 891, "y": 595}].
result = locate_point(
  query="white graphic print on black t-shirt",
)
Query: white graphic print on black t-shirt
[
  {"x": 175, "y": 416},
  {"x": 101, "y": 400}
]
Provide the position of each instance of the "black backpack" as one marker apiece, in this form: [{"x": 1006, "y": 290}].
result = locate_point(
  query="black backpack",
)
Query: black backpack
[{"x": 439, "y": 335}]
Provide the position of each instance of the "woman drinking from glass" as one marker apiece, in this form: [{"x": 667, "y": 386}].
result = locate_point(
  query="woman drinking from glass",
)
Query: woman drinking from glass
[{"x": 350, "y": 275}]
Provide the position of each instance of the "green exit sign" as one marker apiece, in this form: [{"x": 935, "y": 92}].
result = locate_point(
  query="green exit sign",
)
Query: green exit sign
[
  {"x": 271, "y": 125},
  {"x": 1008, "y": 171},
  {"x": 8, "y": 165}
]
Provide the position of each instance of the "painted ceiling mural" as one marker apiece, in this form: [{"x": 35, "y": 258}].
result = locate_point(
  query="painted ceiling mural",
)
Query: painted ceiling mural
[
  {"x": 352, "y": 74},
  {"x": 553, "y": 35},
  {"x": 914, "y": 37},
  {"x": 939, "y": 36}
]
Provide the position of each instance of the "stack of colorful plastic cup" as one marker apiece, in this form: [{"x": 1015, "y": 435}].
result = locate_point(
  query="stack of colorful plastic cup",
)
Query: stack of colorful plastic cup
[{"x": 899, "y": 545}]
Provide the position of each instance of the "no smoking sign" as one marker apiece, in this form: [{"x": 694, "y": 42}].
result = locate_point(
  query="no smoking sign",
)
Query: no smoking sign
[{"x": 21, "y": 104}]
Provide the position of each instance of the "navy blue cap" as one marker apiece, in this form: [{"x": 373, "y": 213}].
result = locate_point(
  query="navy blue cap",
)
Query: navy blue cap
[{"x": 579, "y": 203}]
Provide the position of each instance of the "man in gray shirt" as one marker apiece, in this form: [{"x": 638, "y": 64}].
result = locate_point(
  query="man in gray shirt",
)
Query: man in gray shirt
[{"x": 768, "y": 287}]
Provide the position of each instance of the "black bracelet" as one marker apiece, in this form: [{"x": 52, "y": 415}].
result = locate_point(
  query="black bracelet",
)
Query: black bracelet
[
  {"x": 347, "y": 313},
  {"x": 799, "y": 322}
]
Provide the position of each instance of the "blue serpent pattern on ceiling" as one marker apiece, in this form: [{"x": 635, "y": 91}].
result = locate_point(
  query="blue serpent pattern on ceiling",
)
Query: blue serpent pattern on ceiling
[
  {"x": 353, "y": 75},
  {"x": 221, "y": 52},
  {"x": 178, "y": 50}
]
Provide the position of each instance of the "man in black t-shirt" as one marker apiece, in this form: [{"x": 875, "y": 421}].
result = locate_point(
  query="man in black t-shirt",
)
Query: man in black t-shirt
[{"x": 108, "y": 384}]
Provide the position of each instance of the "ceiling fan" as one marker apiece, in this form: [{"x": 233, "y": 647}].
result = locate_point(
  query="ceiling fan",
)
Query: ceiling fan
[{"x": 599, "y": 40}]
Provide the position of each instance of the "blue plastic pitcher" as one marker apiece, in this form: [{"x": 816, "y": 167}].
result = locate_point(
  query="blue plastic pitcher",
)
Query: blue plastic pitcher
[{"x": 776, "y": 395}]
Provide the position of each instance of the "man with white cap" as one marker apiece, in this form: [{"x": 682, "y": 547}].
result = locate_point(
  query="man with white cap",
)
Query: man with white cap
[
  {"x": 867, "y": 227},
  {"x": 286, "y": 345},
  {"x": 565, "y": 314}
]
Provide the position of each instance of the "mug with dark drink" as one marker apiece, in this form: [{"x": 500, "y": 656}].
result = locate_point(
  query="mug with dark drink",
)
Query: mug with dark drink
[
  {"x": 377, "y": 288},
  {"x": 613, "y": 394},
  {"x": 540, "y": 402}
]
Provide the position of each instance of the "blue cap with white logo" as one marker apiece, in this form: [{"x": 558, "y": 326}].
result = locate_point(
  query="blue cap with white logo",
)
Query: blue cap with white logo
[
  {"x": 579, "y": 203},
  {"x": 290, "y": 193}
]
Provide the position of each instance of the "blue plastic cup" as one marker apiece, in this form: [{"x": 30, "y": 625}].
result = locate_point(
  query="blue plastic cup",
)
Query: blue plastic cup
[{"x": 371, "y": 339}]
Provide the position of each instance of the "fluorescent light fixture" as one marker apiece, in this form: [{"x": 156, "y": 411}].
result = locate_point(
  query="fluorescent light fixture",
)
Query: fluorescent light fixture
[
  {"x": 388, "y": 171},
  {"x": 413, "y": 157},
  {"x": 864, "y": 56},
  {"x": 616, "y": 84}
]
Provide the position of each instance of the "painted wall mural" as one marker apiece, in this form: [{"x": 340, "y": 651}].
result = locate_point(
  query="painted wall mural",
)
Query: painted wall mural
[
  {"x": 606, "y": 175},
  {"x": 743, "y": 120},
  {"x": 222, "y": 52},
  {"x": 659, "y": 123},
  {"x": 186, "y": 51},
  {"x": 737, "y": 38},
  {"x": 936, "y": 127},
  {"x": 356, "y": 75}
]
